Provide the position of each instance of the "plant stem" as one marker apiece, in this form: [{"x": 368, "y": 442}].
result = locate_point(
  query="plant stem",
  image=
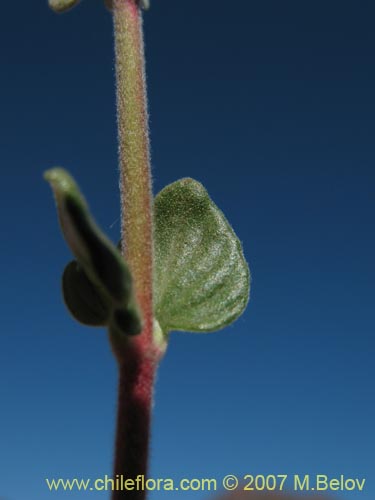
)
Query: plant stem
[
  {"x": 135, "y": 182},
  {"x": 137, "y": 356},
  {"x": 133, "y": 423}
]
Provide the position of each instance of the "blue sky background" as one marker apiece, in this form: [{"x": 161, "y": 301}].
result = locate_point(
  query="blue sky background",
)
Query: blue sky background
[{"x": 272, "y": 106}]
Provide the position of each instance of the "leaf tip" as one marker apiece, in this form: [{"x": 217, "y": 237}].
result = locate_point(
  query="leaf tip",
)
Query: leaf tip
[
  {"x": 60, "y": 6},
  {"x": 60, "y": 179},
  {"x": 65, "y": 189},
  {"x": 186, "y": 191},
  {"x": 193, "y": 185}
]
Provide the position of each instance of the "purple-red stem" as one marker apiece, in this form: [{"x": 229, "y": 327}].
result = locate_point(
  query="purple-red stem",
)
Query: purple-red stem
[{"x": 136, "y": 379}]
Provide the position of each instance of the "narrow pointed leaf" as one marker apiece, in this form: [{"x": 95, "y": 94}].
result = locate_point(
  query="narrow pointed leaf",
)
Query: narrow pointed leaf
[
  {"x": 60, "y": 6},
  {"x": 202, "y": 280}
]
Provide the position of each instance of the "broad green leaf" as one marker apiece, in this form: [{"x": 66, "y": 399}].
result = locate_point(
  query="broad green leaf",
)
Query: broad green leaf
[
  {"x": 62, "y": 5},
  {"x": 103, "y": 276},
  {"x": 201, "y": 278}
]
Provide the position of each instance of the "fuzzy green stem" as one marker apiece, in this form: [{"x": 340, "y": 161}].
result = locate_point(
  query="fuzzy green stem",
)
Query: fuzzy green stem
[
  {"x": 138, "y": 356},
  {"x": 135, "y": 182}
]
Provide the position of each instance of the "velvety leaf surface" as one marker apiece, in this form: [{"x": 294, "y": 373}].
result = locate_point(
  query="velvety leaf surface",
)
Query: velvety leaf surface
[{"x": 202, "y": 280}]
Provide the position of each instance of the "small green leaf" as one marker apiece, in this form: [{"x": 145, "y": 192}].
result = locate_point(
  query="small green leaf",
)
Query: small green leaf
[
  {"x": 100, "y": 290},
  {"x": 98, "y": 256},
  {"x": 60, "y": 6},
  {"x": 83, "y": 299},
  {"x": 202, "y": 281}
]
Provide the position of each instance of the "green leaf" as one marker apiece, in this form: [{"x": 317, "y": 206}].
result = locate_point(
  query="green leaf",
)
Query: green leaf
[
  {"x": 83, "y": 299},
  {"x": 60, "y": 6},
  {"x": 202, "y": 280},
  {"x": 98, "y": 256},
  {"x": 103, "y": 282}
]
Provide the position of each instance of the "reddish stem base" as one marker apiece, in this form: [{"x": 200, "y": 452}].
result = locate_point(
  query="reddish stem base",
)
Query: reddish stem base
[{"x": 136, "y": 380}]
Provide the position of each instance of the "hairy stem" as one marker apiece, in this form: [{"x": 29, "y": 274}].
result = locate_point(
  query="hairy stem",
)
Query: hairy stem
[
  {"x": 137, "y": 357},
  {"x": 135, "y": 182}
]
